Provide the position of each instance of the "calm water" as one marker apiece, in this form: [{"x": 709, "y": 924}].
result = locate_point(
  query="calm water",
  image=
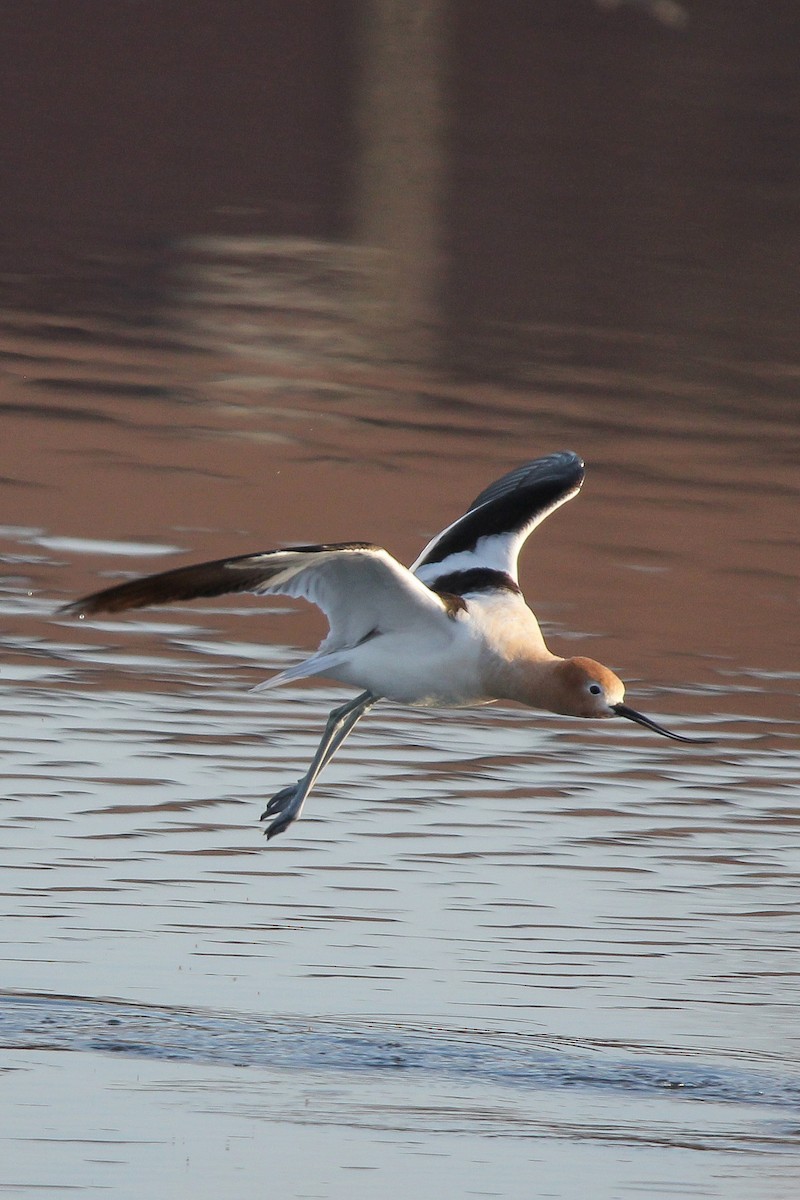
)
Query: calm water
[{"x": 503, "y": 954}]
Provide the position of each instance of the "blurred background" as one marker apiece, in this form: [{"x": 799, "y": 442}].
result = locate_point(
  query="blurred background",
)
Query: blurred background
[
  {"x": 278, "y": 271},
  {"x": 396, "y": 248}
]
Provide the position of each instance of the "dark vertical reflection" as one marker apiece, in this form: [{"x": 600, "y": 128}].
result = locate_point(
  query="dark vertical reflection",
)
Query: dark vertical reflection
[
  {"x": 399, "y": 176},
  {"x": 536, "y": 172},
  {"x": 372, "y": 287}
]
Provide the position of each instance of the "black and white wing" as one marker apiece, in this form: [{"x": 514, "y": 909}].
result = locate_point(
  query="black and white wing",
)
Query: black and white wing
[
  {"x": 361, "y": 589},
  {"x": 479, "y": 551}
]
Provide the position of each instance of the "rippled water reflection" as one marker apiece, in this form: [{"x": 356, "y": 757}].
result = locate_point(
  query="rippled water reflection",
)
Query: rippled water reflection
[
  {"x": 513, "y": 876},
  {"x": 554, "y": 889},
  {"x": 502, "y": 953}
]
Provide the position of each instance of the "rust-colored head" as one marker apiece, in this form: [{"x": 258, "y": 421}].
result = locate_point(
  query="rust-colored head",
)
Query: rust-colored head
[{"x": 581, "y": 687}]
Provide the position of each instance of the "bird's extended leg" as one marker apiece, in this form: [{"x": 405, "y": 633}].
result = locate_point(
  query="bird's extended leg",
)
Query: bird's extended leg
[{"x": 288, "y": 803}]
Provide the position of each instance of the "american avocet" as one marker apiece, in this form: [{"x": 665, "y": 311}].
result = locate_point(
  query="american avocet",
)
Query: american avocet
[{"x": 453, "y": 629}]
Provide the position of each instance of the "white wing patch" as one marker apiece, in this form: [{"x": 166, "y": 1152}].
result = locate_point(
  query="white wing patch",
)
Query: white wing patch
[
  {"x": 490, "y": 535},
  {"x": 361, "y": 591}
]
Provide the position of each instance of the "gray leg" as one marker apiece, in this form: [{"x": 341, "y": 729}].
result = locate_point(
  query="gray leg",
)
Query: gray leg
[{"x": 288, "y": 803}]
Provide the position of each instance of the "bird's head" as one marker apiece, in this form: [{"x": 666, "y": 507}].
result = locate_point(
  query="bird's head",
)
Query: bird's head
[{"x": 582, "y": 687}]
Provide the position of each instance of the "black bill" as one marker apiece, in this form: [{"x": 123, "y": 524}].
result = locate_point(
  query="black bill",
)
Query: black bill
[{"x": 622, "y": 710}]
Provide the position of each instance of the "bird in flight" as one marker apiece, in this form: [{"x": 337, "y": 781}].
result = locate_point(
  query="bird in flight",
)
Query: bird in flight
[{"x": 451, "y": 630}]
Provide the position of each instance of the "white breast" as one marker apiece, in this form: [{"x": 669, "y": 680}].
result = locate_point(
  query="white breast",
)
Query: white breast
[{"x": 456, "y": 664}]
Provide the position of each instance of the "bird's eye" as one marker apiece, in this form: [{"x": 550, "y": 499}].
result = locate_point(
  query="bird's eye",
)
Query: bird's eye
[{"x": 595, "y": 689}]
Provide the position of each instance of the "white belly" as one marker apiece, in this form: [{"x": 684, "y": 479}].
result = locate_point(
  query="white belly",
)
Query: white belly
[{"x": 437, "y": 670}]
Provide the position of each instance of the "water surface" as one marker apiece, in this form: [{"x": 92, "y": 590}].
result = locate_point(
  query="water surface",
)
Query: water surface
[{"x": 502, "y": 953}]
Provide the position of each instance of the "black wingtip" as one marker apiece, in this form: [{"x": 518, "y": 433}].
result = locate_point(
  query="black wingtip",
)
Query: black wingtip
[
  {"x": 198, "y": 581},
  {"x": 513, "y": 504},
  {"x": 553, "y": 476},
  {"x": 87, "y": 606}
]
